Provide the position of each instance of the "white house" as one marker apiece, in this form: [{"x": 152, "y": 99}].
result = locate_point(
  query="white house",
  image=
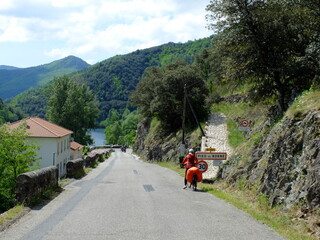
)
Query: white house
[
  {"x": 53, "y": 140},
  {"x": 76, "y": 150}
]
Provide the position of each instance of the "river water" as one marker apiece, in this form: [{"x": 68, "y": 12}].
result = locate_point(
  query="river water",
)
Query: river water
[{"x": 98, "y": 137}]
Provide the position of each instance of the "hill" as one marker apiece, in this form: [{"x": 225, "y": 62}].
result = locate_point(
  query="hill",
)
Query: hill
[
  {"x": 5, "y": 67},
  {"x": 114, "y": 79},
  {"x": 16, "y": 80}
]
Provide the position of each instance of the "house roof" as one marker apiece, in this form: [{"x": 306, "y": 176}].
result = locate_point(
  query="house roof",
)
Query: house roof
[
  {"x": 75, "y": 146},
  {"x": 38, "y": 127}
]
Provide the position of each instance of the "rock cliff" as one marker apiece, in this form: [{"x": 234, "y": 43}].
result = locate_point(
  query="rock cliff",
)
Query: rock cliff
[
  {"x": 285, "y": 164},
  {"x": 153, "y": 144}
]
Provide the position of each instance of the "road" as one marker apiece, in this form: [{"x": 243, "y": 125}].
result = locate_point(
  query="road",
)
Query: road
[{"x": 125, "y": 198}]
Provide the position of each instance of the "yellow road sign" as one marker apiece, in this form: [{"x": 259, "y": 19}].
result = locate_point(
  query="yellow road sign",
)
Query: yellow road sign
[{"x": 210, "y": 150}]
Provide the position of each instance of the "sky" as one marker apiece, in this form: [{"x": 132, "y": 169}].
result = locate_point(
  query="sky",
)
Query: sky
[{"x": 35, "y": 32}]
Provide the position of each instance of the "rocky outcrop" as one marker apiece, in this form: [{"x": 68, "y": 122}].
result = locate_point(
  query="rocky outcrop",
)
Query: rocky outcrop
[
  {"x": 158, "y": 145},
  {"x": 142, "y": 133},
  {"x": 285, "y": 165}
]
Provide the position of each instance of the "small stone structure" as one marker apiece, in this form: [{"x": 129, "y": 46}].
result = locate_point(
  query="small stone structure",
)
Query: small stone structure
[
  {"x": 74, "y": 166},
  {"x": 30, "y": 185}
]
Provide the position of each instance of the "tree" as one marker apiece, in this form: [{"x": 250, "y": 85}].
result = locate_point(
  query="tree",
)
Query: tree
[
  {"x": 121, "y": 129},
  {"x": 264, "y": 42},
  {"x": 17, "y": 156},
  {"x": 160, "y": 93},
  {"x": 74, "y": 107},
  {"x": 312, "y": 27}
]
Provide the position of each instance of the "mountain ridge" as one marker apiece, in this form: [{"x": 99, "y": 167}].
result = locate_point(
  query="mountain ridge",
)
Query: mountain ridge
[
  {"x": 6, "y": 67},
  {"x": 17, "y": 80},
  {"x": 113, "y": 79}
]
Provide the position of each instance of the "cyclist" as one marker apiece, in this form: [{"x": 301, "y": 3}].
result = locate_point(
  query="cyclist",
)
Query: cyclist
[{"x": 189, "y": 161}]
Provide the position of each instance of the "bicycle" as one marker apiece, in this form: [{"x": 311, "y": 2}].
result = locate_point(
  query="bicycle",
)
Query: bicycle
[{"x": 194, "y": 182}]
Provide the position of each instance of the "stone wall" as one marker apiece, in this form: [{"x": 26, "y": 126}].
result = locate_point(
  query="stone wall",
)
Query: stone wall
[
  {"x": 30, "y": 185},
  {"x": 74, "y": 166}
]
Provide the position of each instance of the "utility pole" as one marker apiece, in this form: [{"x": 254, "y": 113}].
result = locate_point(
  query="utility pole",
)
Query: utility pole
[
  {"x": 195, "y": 116},
  {"x": 184, "y": 113},
  {"x": 183, "y": 146},
  {"x": 185, "y": 99}
]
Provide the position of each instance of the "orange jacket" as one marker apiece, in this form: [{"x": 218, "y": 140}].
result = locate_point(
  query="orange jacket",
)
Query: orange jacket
[{"x": 190, "y": 160}]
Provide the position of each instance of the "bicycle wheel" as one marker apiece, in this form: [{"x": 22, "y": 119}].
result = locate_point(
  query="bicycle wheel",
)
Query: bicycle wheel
[{"x": 194, "y": 182}]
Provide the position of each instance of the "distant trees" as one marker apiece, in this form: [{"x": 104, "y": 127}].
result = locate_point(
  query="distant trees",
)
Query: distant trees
[
  {"x": 16, "y": 156},
  {"x": 74, "y": 107},
  {"x": 8, "y": 114},
  {"x": 264, "y": 42},
  {"x": 121, "y": 128},
  {"x": 160, "y": 93}
]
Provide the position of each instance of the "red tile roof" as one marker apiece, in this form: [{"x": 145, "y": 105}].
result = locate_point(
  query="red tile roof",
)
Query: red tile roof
[
  {"x": 75, "y": 146},
  {"x": 38, "y": 127}
]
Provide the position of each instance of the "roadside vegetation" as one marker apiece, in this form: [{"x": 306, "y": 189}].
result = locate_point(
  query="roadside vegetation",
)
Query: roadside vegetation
[
  {"x": 16, "y": 156},
  {"x": 11, "y": 214},
  {"x": 285, "y": 222}
]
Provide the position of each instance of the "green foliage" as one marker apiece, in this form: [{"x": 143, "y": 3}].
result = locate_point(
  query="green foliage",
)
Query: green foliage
[
  {"x": 121, "y": 129},
  {"x": 74, "y": 107},
  {"x": 114, "y": 79},
  {"x": 265, "y": 42},
  {"x": 9, "y": 114},
  {"x": 16, "y": 156},
  {"x": 160, "y": 93},
  {"x": 34, "y": 101},
  {"x": 235, "y": 137},
  {"x": 80, "y": 173},
  {"x": 15, "y": 81}
]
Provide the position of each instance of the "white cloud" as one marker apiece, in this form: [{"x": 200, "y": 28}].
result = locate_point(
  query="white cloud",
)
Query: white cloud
[
  {"x": 92, "y": 29},
  {"x": 69, "y": 3},
  {"x": 57, "y": 52},
  {"x": 14, "y": 30},
  {"x": 7, "y": 4}
]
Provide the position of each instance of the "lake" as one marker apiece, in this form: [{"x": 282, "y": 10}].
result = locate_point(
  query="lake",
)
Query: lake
[{"x": 98, "y": 137}]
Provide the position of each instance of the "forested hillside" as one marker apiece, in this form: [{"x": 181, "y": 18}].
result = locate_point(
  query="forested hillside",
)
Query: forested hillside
[
  {"x": 15, "y": 81},
  {"x": 8, "y": 114},
  {"x": 114, "y": 79}
]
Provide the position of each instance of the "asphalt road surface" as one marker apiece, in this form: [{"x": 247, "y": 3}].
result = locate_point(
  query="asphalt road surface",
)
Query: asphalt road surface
[{"x": 125, "y": 198}]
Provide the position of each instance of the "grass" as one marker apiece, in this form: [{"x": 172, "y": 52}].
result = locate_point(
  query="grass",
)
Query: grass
[
  {"x": 11, "y": 214},
  {"x": 308, "y": 100},
  {"x": 256, "y": 205},
  {"x": 235, "y": 137}
]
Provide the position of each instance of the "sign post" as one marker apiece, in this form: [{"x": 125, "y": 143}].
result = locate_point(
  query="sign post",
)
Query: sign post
[
  {"x": 218, "y": 157},
  {"x": 202, "y": 166},
  {"x": 244, "y": 126}
]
